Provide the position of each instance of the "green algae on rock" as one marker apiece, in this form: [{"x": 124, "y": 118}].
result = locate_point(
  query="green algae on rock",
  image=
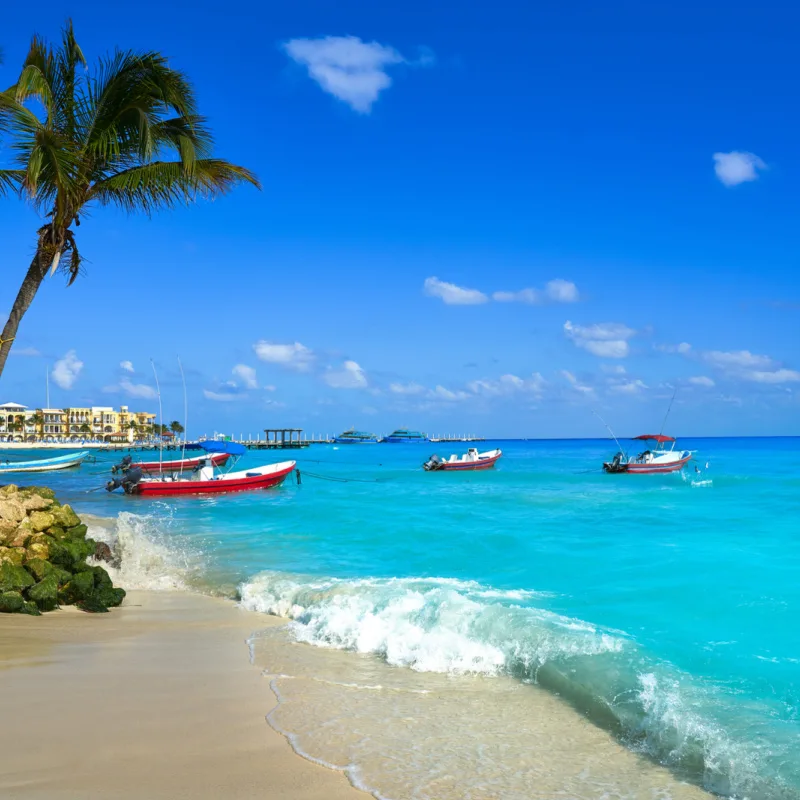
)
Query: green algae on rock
[{"x": 43, "y": 556}]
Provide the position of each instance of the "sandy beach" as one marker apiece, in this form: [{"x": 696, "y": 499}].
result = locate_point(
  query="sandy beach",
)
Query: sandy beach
[{"x": 156, "y": 699}]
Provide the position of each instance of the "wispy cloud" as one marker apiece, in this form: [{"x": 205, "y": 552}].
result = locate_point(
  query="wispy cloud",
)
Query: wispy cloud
[
  {"x": 737, "y": 167},
  {"x": 25, "y": 352},
  {"x": 221, "y": 397},
  {"x": 737, "y": 359},
  {"x": 604, "y": 339},
  {"x": 575, "y": 383},
  {"x": 508, "y": 384},
  {"x": 448, "y": 395},
  {"x": 683, "y": 348},
  {"x": 773, "y": 376},
  {"x": 127, "y": 366},
  {"x": 555, "y": 291},
  {"x": 138, "y": 389},
  {"x": 291, "y": 356},
  {"x": 352, "y": 70},
  {"x": 702, "y": 380},
  {"x": 247, "y": 375},
  {"x": 628, "y": 387},
  {"x": 453, "y": 295},
  {"x": 349, "y": 376},
  {"x": 66, "y": 370},
  {"x": 406, "y": 388}
]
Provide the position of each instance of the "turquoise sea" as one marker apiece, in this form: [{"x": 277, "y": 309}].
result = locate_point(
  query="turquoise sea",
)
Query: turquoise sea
[{"x": 664, "y": 609}]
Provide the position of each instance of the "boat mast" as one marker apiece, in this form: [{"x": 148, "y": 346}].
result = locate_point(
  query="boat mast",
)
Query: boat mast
[
  {"x": 185, "y": 411},
  {"x": 161, "y": 414}
]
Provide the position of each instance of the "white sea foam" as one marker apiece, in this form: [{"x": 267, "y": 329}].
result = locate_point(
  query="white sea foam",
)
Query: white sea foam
[
  {"x": 430, "y": 625},
  {"x": 150, "y": 556}
]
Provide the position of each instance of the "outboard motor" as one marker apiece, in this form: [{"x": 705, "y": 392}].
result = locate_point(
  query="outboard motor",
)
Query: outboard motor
[
  {"x": 433, "y": 463},
  {"x": 127, "y": 482},
  {"x": 123, "y": 465}
]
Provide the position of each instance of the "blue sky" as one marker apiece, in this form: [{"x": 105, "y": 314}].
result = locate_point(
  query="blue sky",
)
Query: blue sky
[{"x": 483, "y": 218}]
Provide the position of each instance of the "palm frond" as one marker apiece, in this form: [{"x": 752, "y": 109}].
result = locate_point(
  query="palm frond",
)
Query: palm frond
[
  {"x": 167, "y": 184},
  {"x": 11, "y": 180},
  {"x": 38, "y": 77}
]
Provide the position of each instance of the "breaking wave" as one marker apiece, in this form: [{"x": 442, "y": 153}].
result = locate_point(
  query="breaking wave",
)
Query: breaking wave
[{"x": 450, "y": 626}]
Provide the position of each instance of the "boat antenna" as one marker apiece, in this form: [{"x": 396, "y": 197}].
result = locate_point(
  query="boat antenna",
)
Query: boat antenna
[
  {"x": 185, "y": 411},
  {"x": 161, "y": 414},
  {"x": 613, "y": 436},
  {"x": 669, "y": 408}
]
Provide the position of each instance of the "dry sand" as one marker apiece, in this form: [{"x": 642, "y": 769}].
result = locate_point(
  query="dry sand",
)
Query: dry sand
[{"x": 156, "y": 699}]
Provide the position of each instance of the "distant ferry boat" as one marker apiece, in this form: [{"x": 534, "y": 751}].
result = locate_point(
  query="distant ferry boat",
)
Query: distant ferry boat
[
  {"x": 404, "y": 436},
  {"x": 356, "y": 437}
]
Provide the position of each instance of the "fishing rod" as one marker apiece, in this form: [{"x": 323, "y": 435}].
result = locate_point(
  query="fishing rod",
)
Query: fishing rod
[
  {"x": 613, "y": 435},
  {"x": 668, "y": 410},
  {"x": 161, "y": 414}
]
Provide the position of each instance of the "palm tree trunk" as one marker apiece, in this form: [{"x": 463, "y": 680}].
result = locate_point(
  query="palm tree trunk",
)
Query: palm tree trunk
[{"x": 33, "y": 280}]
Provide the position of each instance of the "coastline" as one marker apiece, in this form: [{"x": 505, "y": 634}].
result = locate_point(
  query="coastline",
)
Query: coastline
[{"x": 156, "y": 699}]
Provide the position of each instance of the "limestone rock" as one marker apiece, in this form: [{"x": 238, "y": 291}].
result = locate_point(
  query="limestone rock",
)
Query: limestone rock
[
  {"x": 37, "y": 503},
  {"x": 13, "y": 555},
  {"x": 65, "y": 517},
  {"x": 8, "y": 530},
  {"x": 9, "y": 489},
  {"x": 102, "y": 552},
  {"x": 11, "y": 602},
  {"x": 38, "y": 567},
  {"x": 12, "y": 510},
  {"x": 41, "y": 520},
  {"x": 45, "y": 593},
  {"x": 42, "y": 491},
  {"x": 56, "y": 532},
  {"x": 37, "y": 550},
  {"x": 14, "y": 578},
  {"x": 77, "y": 531}
]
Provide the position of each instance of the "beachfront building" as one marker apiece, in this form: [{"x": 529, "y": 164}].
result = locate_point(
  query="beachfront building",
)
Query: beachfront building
[{"x": 101, "y": 423}]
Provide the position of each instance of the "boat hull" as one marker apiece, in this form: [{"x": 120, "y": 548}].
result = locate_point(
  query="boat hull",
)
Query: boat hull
[
  {"x": 465, "y": 466},
  {"x": 401, "y": 440},
  {"x": 46, "y": 464},
  {"x": 230, "y": 483},
  {"x": 217, "y": 459},
  {"x": 648, "y": 469}
]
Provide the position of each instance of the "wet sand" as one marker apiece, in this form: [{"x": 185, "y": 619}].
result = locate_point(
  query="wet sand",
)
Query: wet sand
[{"x": 156, "y": 699}]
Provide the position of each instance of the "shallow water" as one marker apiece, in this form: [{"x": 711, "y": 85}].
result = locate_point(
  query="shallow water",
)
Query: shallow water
[{"x": 662, "y": 608}]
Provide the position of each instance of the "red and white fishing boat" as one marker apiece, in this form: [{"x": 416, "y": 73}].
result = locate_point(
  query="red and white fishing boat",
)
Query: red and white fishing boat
[
  {"x": 654, "y": 460},
  {"x": 471, "y": 460},
  {"x": 174, "y": 465},
  {"x": 205, "y": 479}
]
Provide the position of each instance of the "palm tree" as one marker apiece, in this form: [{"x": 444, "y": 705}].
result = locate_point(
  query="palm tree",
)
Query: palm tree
[
  {"x": 126, "y": 135},
  {"x": 85, "y": 428},
  {"x": 176, "y": 427}
]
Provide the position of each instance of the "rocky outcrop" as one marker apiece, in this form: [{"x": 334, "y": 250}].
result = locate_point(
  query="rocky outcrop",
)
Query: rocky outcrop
[{"x": 43, "y": 556}]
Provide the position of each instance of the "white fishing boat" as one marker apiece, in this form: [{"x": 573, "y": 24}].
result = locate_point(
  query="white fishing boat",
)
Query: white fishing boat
[{"x": 45, "y": 464}]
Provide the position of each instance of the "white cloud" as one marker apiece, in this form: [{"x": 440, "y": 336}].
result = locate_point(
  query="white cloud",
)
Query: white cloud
[
  {"x": 291, "y": 356},
  {"x": 25, "y": 352},
  {"x": 270, "y": 388},
  {"x": 66, "y": 370},
  {"x": 222, "y": 397},
  {"x": 555, "y": 291},
  {"x": 530, "y": 296},
  {"x": 573, "y": 381},
  {"x": 613, "y": 369},
  {"x": 702, "y": 380},
  {"x": 440, "y": 393},
  {"x": 247, "y": 375},
  {"x": 350, "y": 69},
  {"x": 741, "y": 359},
  {"x": 127, "y": 366},
  {"x": 737, "y": 167},
  {"x": 350, "y": 376},
  {"x": 628, "y": 387},
  {"x": 406, "y": 388},
  {"x": 453, "y": 295},
  {"x": 138, "y": 389},
  {"x": 774, "y": 376},
  {"x": 561, "y": 291},
  {"x": 508, "y": 384},
  {"x": 605, "y": 339},
  {"x": 683, "y": 348}
]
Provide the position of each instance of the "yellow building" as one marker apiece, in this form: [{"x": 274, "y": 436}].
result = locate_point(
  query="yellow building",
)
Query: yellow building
[{"x": 99, "y": 423}]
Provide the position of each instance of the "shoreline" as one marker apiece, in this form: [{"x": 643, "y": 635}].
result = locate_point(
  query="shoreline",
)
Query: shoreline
[{"x": 158, "y": 698}]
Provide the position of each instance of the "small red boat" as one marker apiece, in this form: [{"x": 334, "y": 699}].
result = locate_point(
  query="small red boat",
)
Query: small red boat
[
  {"x": 471, "y": 460},
  {"x": 181, "y": 464},
  {"x": 206, "y": 483}
]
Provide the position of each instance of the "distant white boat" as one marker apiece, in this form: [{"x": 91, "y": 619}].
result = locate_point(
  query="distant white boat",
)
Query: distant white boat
[{"x": 45, "y": 464}]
